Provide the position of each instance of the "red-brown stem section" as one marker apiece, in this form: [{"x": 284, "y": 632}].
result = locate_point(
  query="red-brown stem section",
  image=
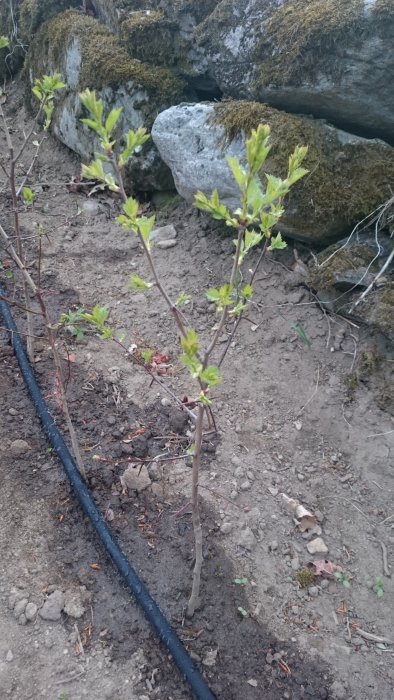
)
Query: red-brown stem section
[
  {"x": 240, "y": 317},
  {"x": 197, "y": 529},
  {"x": 51, "y": 335}
]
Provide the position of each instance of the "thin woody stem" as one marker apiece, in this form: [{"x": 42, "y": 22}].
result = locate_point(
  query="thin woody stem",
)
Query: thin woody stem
[{"x": 197, "y": 529}]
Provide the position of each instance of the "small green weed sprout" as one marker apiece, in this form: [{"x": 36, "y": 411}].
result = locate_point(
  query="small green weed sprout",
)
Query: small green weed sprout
[
  {"x": 379, "y": 587},
  {"x": 343, "y": 579}
]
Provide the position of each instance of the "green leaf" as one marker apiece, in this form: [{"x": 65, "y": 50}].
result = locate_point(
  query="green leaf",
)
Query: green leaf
[
  {"x": 254, "y": 196},
  {"x": 296, "y": 175},
  {"x": 48, "y": 108},
  {"x": 145, "y": 225},
  {"x": 211, "y": 376},
  {"x": 93, "y": 105},
  {"x": 247, "y": 291},
  {"x": 139, "y": 285},
  {"x": 28, "y": 195},
  {"x": 257, "y": 148},
  {"x": 203, "y": 399},
  {"x": 213, "y": 295},
  {"x": 112, "y": 120},
  {"x": 238, "y": 171},
  {"x": 94, "y": 171},
  {"x": 147, "y": 355},
  {"x": 131, "y": 207},
  {"x": 95, "y": 126},
  {"x": 192, "y": 363},
  {"x": 267, "y": 221},
  {"x": 126, "y": 223},
  {"x": 4, "y": 42},
  {"x": 134, "y": 141},
  {"x": 242, "y": 611},
  {"x": 213, "y": 205},
  {"x": 190, "y": 343},
  {"x": 276, "y": 243},
  {"x": 241, "y": 581},
  {"x": 183, "y": 299}
]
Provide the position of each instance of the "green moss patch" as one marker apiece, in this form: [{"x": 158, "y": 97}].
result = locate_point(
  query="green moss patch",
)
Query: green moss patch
[
  {"x": 104, "y": 61},
  {"x": 305, "y": 37},
  {"x": 152, "y": 38},
  {"x": 33, "y": 13},
  {"x": 347, "y": 181}
]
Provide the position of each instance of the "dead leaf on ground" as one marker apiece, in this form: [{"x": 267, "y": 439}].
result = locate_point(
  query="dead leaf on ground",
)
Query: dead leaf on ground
[
  {"x": 95, "y": 567},
  {"x": 324, "y": 567}
]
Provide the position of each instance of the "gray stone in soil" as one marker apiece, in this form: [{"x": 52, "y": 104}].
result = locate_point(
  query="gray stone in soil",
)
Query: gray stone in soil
[
  {"x": 53, "y": 606},
  {"x": 19, "y": 448},
  {"x": 20, "y": 607},
  {"x": 246, "y": 539},
  {"x": 31, "y": 611},
  {"x": 226, "y": 528},
  {"x": 166, "y": 244},
  {"x": 9, "y": 656},
  {"x": 245, "y": 486},
  {"x": 317, "y": 546},
  {"x": 164, "y": 233},
  {"x": 73, "y": 603},
  {"x": 136, "y": 479}
]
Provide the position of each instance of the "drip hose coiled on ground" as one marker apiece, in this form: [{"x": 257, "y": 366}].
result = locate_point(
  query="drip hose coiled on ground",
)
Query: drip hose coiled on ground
[{"x": 166, "y": 634}]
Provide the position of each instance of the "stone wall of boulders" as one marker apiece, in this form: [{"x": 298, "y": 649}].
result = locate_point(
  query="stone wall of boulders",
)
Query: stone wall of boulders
[{"x": 202, "y": 74}]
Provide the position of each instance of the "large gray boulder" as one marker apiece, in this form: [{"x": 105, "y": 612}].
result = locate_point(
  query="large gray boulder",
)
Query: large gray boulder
[
  {"x": 349, "y": 175},
  {"x": 333, "y": 59}
]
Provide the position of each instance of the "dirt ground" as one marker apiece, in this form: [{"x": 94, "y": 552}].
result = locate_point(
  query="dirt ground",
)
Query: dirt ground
[{"x": 312, "y": 423}]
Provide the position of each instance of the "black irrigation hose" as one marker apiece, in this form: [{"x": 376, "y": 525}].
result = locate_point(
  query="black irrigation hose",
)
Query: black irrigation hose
[{"x": 163, "y": 629}]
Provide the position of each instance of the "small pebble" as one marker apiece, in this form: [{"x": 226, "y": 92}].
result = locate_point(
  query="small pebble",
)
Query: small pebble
[
  {"x": 245, "y": 486},
  {"x": 317, "y": 546},
  {"x": 273, "y": 545},
  {"x": 31, "y": 611},
  {"x": 313, "y": 591},
  {"x": 226, "y": 528},
  {"x": 19, "y": 448},
  {"x": 9, "y": 656}
]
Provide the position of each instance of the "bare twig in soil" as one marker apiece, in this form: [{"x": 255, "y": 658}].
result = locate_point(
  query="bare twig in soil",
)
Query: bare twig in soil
[
  {"x": 314, "y": 392},
  {"x": 349, "y": 634},
  {"x": 388, "y": 432},
  {"x": 82, "y": 650},
  {"x": 386, "y": 520},
  {"x": 373, "y": 637},
  {"x": 70, "y": 679},
  {"x": 386, "y": 569}
]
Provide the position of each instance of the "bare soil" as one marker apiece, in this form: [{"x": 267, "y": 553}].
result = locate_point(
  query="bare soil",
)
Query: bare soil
[{"x": 289, "y": 421}]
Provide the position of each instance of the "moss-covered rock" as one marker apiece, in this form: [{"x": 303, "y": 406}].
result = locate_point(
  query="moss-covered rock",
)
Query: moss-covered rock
[
  {"x": 87, "y": 54},
  {"x": 332, "y": 59},
  {"x": 102, "y": 61},
  {"x": 33, "y": 13},
  {"x": 349, "y": 176},
  {"x": 152, "y": 38}
]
